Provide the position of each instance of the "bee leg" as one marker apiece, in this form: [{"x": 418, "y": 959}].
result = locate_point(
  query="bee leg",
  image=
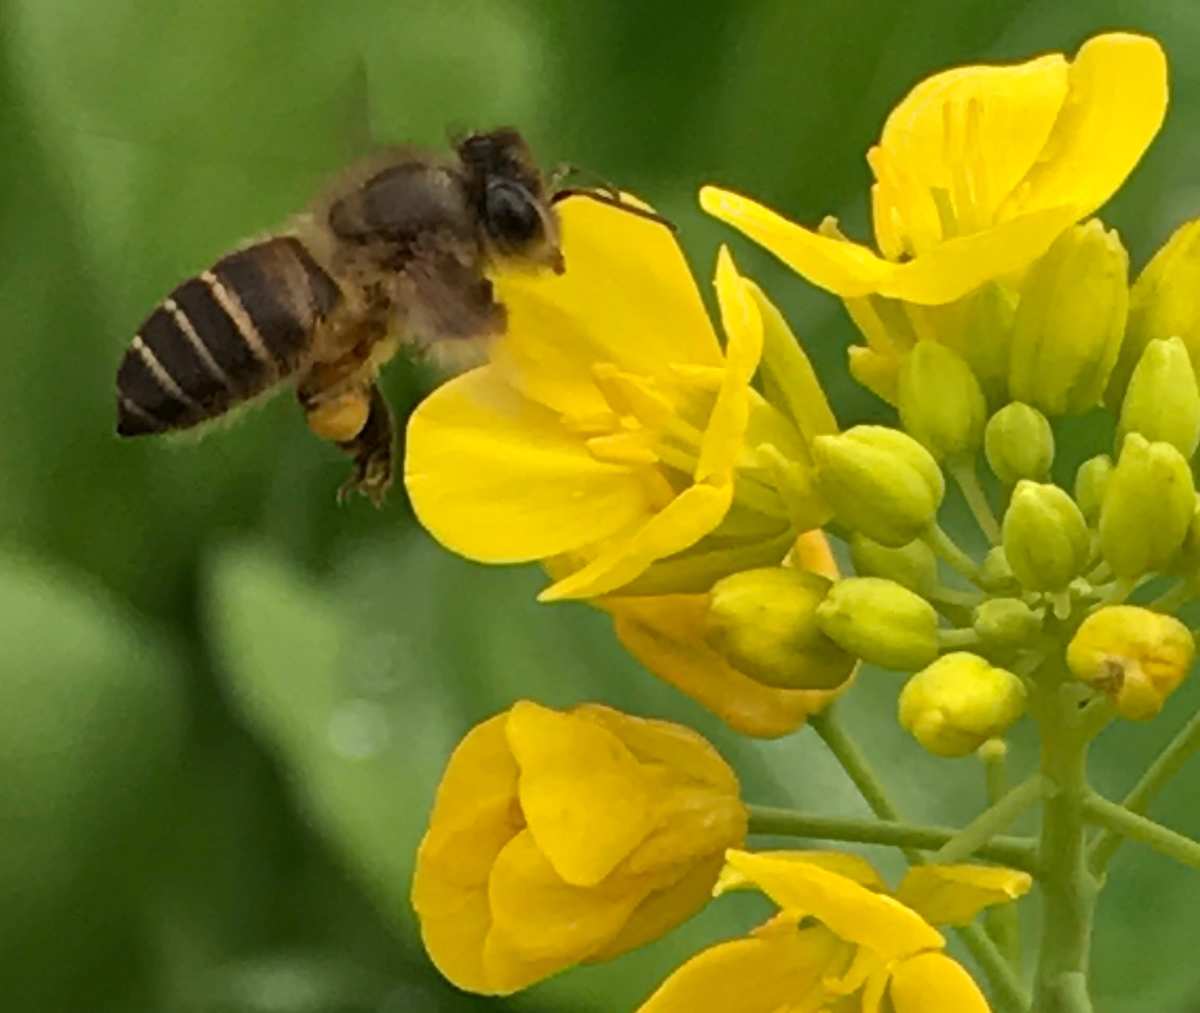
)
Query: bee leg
[{"x": 372, "y": 449}]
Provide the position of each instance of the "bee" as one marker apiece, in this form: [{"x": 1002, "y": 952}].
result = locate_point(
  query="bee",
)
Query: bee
[{"x": 397, "y": 252}]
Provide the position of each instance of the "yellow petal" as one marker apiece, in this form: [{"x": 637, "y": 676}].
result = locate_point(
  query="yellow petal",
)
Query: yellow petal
[
  {"x": 456, "y": 942},
  {"x": 683, "y": 522},
  {"x": 666, "y": 743},
  {"x": 812, "y": 552},
  {"x": 475, "y": 445},
  {"x": 1117, "y": 101},
  {"x": 627, "y": 297},
  {"x": 933, "y": 983},
  {"x": 853, "y": 867},
  {"x": 539, "y": 919},
  {"x": 666, "y": 634},
  {"x": 583, "y": 793},
  {"x": 756, "y": 975},
  {"x": 851, "y": 911},
  {"x": 832, "y": 264},
  {"x": 955, "y": 894}
]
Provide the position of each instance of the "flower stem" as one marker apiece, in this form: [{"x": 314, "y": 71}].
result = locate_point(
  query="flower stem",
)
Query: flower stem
[
  {"x": 1166, "y": 765},
  {"x": 1119, "y": 820},
  {"x": 955, "y": 640},
  {"x": 1018, "y": 852},
  {"x": 1003, "y": 921},
  {"x": 963, "y": 473},
  {"x": 948, "y": 551},
  {"x": 1068, "y": 887},
  {"x": 1171, "y": 599},
  {"x": 991, "y": 821}
]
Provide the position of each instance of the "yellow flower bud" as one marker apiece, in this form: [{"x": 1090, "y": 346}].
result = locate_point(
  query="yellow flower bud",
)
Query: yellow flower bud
[
  {"x": 1045, "y": 537},
  {"x": 881, "y": 622},
  {"x": 940, "y": 401},
  {"x": 764, "y": 623},
  {"x": 1006, "y": 622},
  {"x": 1162, "y": 304},
  {"x": 996, "y": 575},
  {"x": 1091, "y": 480},
  {"x": 1136, "y": 656},
  {"x": 879, "y": 481},
  {"x": 1162, "y": 401},
  {"x": 1148, "y": 505},
  {"x": 1019, "y": 443},
  {"x": 1070, "y": 321},
  {"x": 913, "y": 565},
  {"x": 959, "y": 702},
  {"x": 562, "y": 837}
]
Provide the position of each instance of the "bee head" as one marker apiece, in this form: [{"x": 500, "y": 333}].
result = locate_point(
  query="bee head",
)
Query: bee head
[{"x": 510, "y": 198}]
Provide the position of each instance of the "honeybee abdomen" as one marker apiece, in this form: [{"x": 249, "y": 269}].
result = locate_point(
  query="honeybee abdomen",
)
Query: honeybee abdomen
[{"x": 223, "y": 336}]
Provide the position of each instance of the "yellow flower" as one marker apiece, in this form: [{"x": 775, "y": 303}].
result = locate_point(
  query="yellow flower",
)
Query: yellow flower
[
  {"x": 977, "y": 171},
  {"x": 838, "y": 941},
  {"x": 667, "y": 634},
  {"x": 560, "y": 837},
  {"x": 609, "y": 428}
]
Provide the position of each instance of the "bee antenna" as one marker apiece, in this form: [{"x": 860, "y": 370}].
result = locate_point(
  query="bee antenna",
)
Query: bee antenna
[{"x": 612, "y": 199}]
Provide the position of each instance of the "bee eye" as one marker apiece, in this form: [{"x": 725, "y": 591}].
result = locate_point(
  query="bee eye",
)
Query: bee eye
[{"x": 512, "y": 216}]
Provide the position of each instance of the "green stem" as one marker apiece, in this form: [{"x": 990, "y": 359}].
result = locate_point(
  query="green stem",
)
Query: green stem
[
  {"x": 954, "y": 640},
  {"x": 963, "y": 473},
  {"x": 953, "y": 596},
  {"x": 1018, "y": 852},
  {"x": 1119, "y": 820},
  {"x": 1166, "y": 765},
  {"x": 991, "y": 821},
  {"x": 1009, "y": 993},
  {"x": 1171, "y": 600},
  {"x": 1002, "y": 921},
  {"x": 1068, "y": 888},
  {"x": 948, "y": 551}
]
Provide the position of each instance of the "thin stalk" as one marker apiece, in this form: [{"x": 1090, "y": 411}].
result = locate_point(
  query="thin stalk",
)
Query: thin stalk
[
  {"x": 963, "y": 473},
  {"x": 1018, "y": 852},
  {"x": 953, "y": 596},
  {"x": 955, "y": 640},
  {"x": 1002, "y": 921},
  {"x": 946, "y": 549},
  {"x": 1172, "y": 599},
  {"x": 1166, "y": 765},
  {"x": 1119, "y": 820},
  {"x": 991, "y": 821}
]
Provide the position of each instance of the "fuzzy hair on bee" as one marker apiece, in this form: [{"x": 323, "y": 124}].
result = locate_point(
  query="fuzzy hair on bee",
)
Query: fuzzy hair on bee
[{"x": 396, "y": 252}]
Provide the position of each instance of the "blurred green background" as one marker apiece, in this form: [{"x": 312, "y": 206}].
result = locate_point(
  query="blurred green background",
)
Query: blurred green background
[{"x": 224, "y": 700}]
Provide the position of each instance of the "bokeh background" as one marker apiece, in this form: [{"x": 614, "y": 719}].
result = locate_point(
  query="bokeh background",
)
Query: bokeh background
[{"x": 224, "y": 700}]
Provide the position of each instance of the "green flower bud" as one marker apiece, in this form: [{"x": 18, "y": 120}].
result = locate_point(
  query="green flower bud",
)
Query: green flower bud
[
  {"x": 1045, "y": 537},
  {"x": 913, "y": 565},
  {"x": 1006, "y": 622},
  {"x": 1136, "y": 656},
  {"x": 1162, "y": 401},
  {"x": 1162, "y": 304},
  {"x": 879, "y": 481},
  {"x": 941, "y": 403},
  {"x": 1187, "y": 561},
  {"x": 1091, "y": 480},
  {"x": 959, "y": 702},
  {"x": 1070, "y": 321},
  {"x": 764, "y": 623},
  {"x": 1019, "y": 443},
  {"x": 995, "y": 574},
  {"x": 881, "y": 622},
  {"x": 1147, "y": 507}
]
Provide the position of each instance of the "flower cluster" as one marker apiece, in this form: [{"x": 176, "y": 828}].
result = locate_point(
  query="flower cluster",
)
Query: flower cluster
[{"x": 688, "y": 486}]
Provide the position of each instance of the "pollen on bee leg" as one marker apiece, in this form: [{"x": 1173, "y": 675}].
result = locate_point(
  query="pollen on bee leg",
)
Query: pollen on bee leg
[{"x": 341, "y": 418}]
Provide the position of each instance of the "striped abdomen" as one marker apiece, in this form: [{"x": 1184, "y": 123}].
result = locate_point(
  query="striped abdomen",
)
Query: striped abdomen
[{"x": 222, "y": 337}]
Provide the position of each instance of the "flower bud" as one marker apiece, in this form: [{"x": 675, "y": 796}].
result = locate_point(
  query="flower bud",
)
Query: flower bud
[
  {"x": 1136, "y": 656},
  {"x": 1187, "y": 561},
  {"x": 1147, "y": 507},
  {"x": 959, "y": 702},
  {"x": 1162, "y": 401},
  {"x": 941, "y": 403},
  {"x": 1162, "y": 304},
  {"x": 881, "y": 622},
  {"x": 1091, "y": 480},
  {"x": 1019, "y": 443},
  {"x": 1045, "y": 537},
  {"x": 995, "y": 574},
  {"x": 913, "y": 565},
  {"x": 764, "y": 623},
  {"x": 879, "y": 481},
  {"x": 1070, "y": 321},
  {"x": 1006, "y": 622}
]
